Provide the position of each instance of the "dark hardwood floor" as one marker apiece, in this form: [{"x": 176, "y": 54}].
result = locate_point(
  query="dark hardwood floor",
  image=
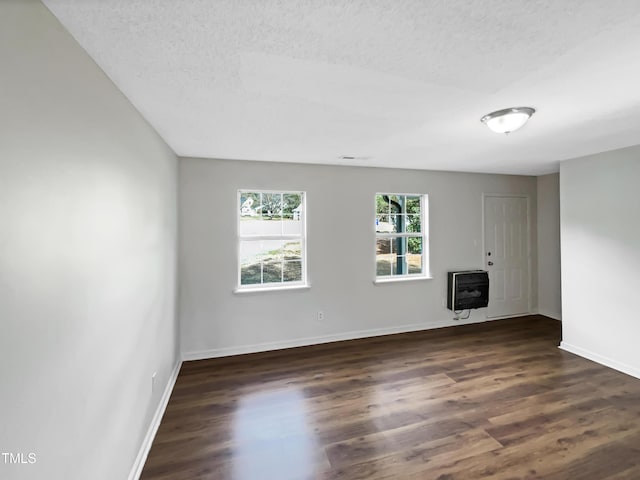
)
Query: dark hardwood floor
[{"x": 496, "y": 400}]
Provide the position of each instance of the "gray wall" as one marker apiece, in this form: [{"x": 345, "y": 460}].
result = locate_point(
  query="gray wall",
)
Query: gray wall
[
  {"x": 601, "y": 257},
  {"x": 549, "y": 291},
  {"x": 87, "y": 258},
  {"x": 215, "y": 321}
]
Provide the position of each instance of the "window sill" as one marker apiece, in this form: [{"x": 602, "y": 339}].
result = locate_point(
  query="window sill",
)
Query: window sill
[
  {"x": 239, "y": 290},
  {"x": 382, "y": 281}
]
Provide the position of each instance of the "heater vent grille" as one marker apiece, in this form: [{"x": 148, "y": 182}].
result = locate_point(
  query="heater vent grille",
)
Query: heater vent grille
[{"x": 467, "y": 289}]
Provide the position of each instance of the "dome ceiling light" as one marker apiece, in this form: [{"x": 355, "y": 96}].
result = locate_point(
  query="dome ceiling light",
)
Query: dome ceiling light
[{"x": 507, "y": 120}]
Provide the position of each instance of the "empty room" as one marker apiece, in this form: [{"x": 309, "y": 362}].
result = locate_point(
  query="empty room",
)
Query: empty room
[{"x": 334, "y": 239}]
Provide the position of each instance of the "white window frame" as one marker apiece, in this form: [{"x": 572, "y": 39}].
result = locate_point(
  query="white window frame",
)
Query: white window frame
[
  {"x": 263, "y": 287},
  {"x": 424, "y": 234}
]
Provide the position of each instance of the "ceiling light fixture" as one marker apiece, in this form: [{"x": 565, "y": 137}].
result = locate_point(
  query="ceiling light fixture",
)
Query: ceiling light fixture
[{"x": 507, "y": 120}]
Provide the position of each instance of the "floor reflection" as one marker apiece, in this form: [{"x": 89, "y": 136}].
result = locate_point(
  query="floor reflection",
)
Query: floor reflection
[{"x": 271, "y": 436}]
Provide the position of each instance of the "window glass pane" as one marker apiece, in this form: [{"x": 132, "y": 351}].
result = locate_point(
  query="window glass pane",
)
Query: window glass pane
[
  {"x": 403, "y": 223},
  {"x": 249, "y": 252},
  {"x": 390, "y": 204},
  {"x": 250, "y": 274},
  {"x": 383, "y": 246},
  {"x": 249, "y": 204},
  {"x": 250, "y": 264},
  {"x": 272, "y": 271},
  {"x": 292, "y": 250},
  {"x": 271, "y": 258},
  {"x": 383, "y": 224},
  {"x": 415, "y": 263},
  {"x": 271, "y": 206},
  {"x": 251, "y": 225},
  {"x": 292, "y": 227},
  {"x": 292, "y": 271},
  {"x": 399, "y": 266},
  {"x": 291, "y": 203},
  {"x": 382, "y": 206},
  {"x": 414, "y": 255},
  {"x": 271, "y": 250},
  {"x": 383, "y": 266},
  {"x": 412, "y": 204},
  {"x": 413, "y": 224},
  {"x": 415, "y": 245},
  {"x": 292, "y": 214},
  {"x": 399, "y": 245},
  {"x": 270, "y": 226},
  {"x": 384, "y": 256}
]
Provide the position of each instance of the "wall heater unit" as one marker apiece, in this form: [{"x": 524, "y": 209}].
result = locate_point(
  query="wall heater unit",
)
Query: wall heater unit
[{"x": 468, "y": 289}]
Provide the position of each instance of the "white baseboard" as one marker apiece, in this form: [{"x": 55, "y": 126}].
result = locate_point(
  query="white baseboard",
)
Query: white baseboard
[
  {"x": 138, "y": 465},
  {"x": 301, "y": 342},
  {"x": 602, "y": 360},
  {"x": 489, "y": 319},
  {"x": 550, "y": 314}
]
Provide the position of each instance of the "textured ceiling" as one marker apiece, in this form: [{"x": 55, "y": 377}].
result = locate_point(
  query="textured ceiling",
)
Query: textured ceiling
[{"x": 402, "y": 83}]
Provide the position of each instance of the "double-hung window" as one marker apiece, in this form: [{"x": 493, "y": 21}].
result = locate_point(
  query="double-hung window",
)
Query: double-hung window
[
  {"x": 271, "y": 239},
  {"x": 401, "y": 236}
]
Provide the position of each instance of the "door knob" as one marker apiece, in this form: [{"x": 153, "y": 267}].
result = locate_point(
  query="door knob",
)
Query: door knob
[{"x": 489, "y": 263}]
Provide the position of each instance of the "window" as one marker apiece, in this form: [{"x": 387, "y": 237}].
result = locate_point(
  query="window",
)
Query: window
[
  {"x": 401, "y": 240},
  {"x": 271, "y": 234}
]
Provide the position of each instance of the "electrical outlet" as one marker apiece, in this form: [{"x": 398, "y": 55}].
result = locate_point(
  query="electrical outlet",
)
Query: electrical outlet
[
  {"x": 320, "y": 316},
  {"x": 153, "y": 382}
]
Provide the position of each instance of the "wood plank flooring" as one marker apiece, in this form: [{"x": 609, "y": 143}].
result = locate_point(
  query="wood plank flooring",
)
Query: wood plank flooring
[{"x": 496, "y": 400}]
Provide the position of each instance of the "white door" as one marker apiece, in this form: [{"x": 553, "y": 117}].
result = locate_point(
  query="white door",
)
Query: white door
[{"x": 506, "y": 254}]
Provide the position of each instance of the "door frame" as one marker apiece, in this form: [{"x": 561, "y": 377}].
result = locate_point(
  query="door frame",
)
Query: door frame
[{"x": 527, "y": 197}]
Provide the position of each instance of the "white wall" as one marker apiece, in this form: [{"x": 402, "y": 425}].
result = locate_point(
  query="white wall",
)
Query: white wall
[
  {"x": 87, "y": 258},
  {"x": 215, "y": 321},
  {"x": 549, "y": 291},
  {"x": 601, "y": 257}
]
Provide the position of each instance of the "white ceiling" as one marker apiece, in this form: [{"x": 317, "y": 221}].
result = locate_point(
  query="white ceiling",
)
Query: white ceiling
[{"x": 400, "y": 82}]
